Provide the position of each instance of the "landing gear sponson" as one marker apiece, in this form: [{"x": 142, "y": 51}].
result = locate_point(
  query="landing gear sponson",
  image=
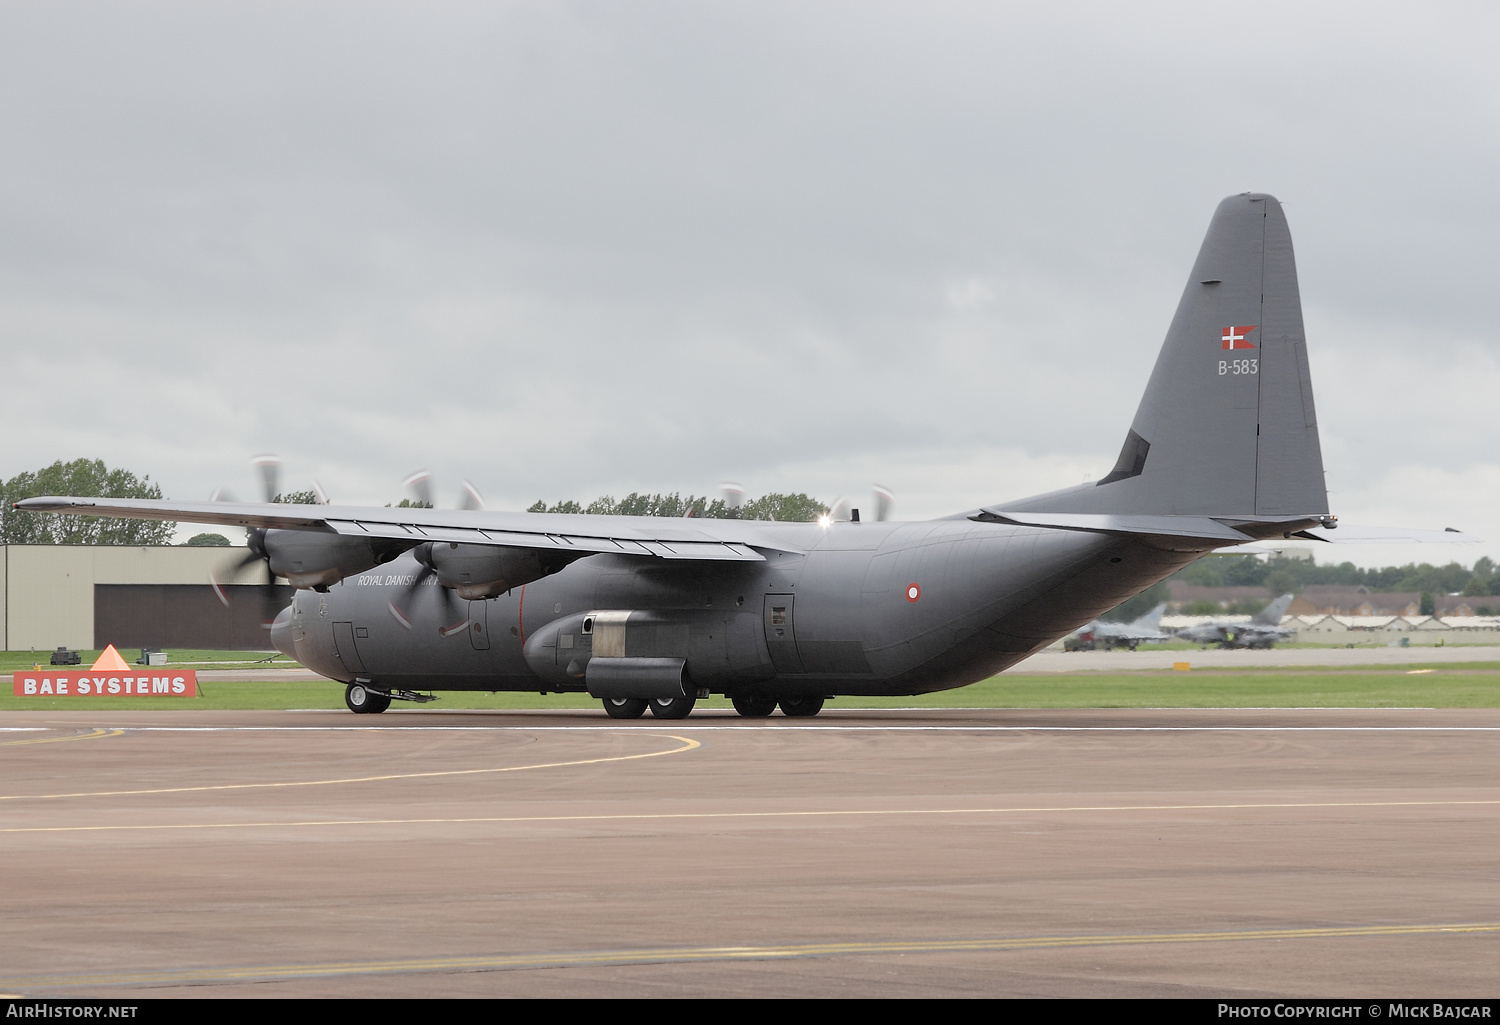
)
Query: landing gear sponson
[{"x": 750, "y": 706}]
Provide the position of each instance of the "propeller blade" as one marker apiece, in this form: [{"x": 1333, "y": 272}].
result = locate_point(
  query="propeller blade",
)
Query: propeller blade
[
  {"x": 270, "y": 475},
  {"x": 422, "y": 554},
  {"x": 884, "y": 501},
  {"x": 456, "y": 628},
  {"x": 213, "y": 581},
  {"x": 230, "y": 572},
  {"x": 423, "y": 572},
  {"x": 318, "y": 490},
  {"x": 471, "y": 499},
  {"x": 270, "y": 601},
  {"x": 398, "y": 615},
  {"x": 734, "y": 495},
  {"x": 419, "y": 484}
]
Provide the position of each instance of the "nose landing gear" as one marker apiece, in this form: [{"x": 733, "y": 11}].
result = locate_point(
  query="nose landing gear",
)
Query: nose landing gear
[{"x": 362, "y": 699}]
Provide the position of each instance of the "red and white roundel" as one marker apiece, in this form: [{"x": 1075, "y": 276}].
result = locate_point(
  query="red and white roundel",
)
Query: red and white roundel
[{"x": 913, "y": 592}]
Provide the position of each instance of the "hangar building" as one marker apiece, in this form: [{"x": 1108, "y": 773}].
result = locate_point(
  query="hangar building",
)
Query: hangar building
[{"x": 87, "y": 596}]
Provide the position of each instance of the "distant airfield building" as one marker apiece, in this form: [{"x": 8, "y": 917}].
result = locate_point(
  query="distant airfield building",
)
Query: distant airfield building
[
  {"x": 87, "y": 596},
  {"x": 1413, "y": 631}
]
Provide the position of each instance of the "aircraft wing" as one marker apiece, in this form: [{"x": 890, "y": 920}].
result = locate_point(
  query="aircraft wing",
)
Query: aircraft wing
[{"x": 659, "y": 537}]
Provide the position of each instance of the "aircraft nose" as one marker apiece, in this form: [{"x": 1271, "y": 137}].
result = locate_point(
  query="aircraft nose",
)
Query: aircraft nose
[{"x": 281, "y": 633}]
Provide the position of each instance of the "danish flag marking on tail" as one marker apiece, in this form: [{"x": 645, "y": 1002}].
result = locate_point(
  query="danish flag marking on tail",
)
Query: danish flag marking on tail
[{"x": 1234, "y": 337}]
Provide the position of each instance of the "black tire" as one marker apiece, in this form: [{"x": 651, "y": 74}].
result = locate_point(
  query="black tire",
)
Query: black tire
[
  {"x": 362, "y": 699},
  {"x": 624, "y": 708},
  {"x": 754, "y": 707},
  {"x": 801, "y": 706},
  {"x": 672, "y": 708}
]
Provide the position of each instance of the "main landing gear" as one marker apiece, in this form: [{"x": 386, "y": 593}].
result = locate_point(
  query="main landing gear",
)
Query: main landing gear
[
  {"x": 755, "y": 706},
  {"x": 672, "y": 708},
  {"x": 758, "y": 706},
  {"x": 625, "y": 708},
  {"x": 662, "y": 708},
  {"x": 801, "y": 706}
]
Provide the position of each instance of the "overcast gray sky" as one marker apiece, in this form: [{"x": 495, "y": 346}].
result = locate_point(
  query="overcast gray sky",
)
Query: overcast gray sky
[{"x": 569, "y": 249}]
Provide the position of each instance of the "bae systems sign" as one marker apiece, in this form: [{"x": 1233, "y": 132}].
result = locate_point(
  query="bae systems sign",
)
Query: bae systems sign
[
  {"x": 180, "y": 684},
  {"x": 111, "y": 676}
]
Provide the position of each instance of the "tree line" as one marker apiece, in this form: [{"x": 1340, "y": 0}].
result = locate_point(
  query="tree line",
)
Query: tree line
[
  {"x": 1282, "y": 575},
  {"x": 86, "y": 478},
  {"x": 798, "y": 508}
]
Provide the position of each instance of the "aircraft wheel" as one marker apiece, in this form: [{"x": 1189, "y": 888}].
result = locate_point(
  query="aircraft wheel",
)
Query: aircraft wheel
[
  {"x": 801, "y": 706},
  {"x": 625, "y": 708},
  {"x": 672, "y": 708},
  {"x": 754, "y": 707},
  {"x": 362, "y": 699}
]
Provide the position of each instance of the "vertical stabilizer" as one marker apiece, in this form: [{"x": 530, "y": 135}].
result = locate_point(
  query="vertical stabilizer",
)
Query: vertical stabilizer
[
  {"x": 1273, "y": 613},
  {"x": 1151, "y": 621},
  {"x": 1227, "y": 425}
]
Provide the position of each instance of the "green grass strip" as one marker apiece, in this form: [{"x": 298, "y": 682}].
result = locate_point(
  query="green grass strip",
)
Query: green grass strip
[{"x": 1448, "y": 686}]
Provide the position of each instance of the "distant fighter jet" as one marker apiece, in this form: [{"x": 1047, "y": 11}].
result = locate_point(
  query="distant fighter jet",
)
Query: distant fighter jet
[
  {"x": 1102, "y": 633},
  {"x": 1263, "y": 630}
]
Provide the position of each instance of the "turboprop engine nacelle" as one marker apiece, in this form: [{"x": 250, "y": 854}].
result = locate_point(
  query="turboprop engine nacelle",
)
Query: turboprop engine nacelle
[
  {"x": 484, "y": 571},
  {"x": 314, "y": 560}
]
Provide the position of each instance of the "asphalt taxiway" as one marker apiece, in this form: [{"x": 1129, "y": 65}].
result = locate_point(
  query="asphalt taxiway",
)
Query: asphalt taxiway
[{"x": 960, "y": 853}]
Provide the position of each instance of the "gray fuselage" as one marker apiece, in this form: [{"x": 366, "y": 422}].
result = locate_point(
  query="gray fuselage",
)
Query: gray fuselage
[{"x": 854, "y": 608}]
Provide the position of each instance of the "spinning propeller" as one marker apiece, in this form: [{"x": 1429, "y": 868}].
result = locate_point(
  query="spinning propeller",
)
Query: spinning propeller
[
  {"x": 843, "y": 509},
  {"x": 419, "y": 484},
  {"x": 269, "y": 468},
  {"x": 423, "y": 554}
]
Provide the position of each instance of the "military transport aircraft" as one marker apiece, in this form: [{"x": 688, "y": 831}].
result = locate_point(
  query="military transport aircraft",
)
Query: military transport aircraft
[
  {"x": 1102, "y": 633},
  {"x": 655, "y": 613},
  {"x": 1263, "y": 630}
]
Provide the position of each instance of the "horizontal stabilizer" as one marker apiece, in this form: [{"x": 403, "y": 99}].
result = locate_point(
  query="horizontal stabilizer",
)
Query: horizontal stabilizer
[{"x": 1350, "y": 535}]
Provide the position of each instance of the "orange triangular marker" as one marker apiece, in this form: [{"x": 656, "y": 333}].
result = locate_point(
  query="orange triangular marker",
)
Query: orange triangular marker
[{"x": 109, "y": 659}]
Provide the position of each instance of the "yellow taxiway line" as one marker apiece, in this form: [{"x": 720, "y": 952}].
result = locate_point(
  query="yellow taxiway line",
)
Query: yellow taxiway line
[
  {"x": 94, "y": 735},
  {"x": 686, "y": 745},
  {"x": 681, "y": 955},
  {"x": 808, "y": 814}
]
